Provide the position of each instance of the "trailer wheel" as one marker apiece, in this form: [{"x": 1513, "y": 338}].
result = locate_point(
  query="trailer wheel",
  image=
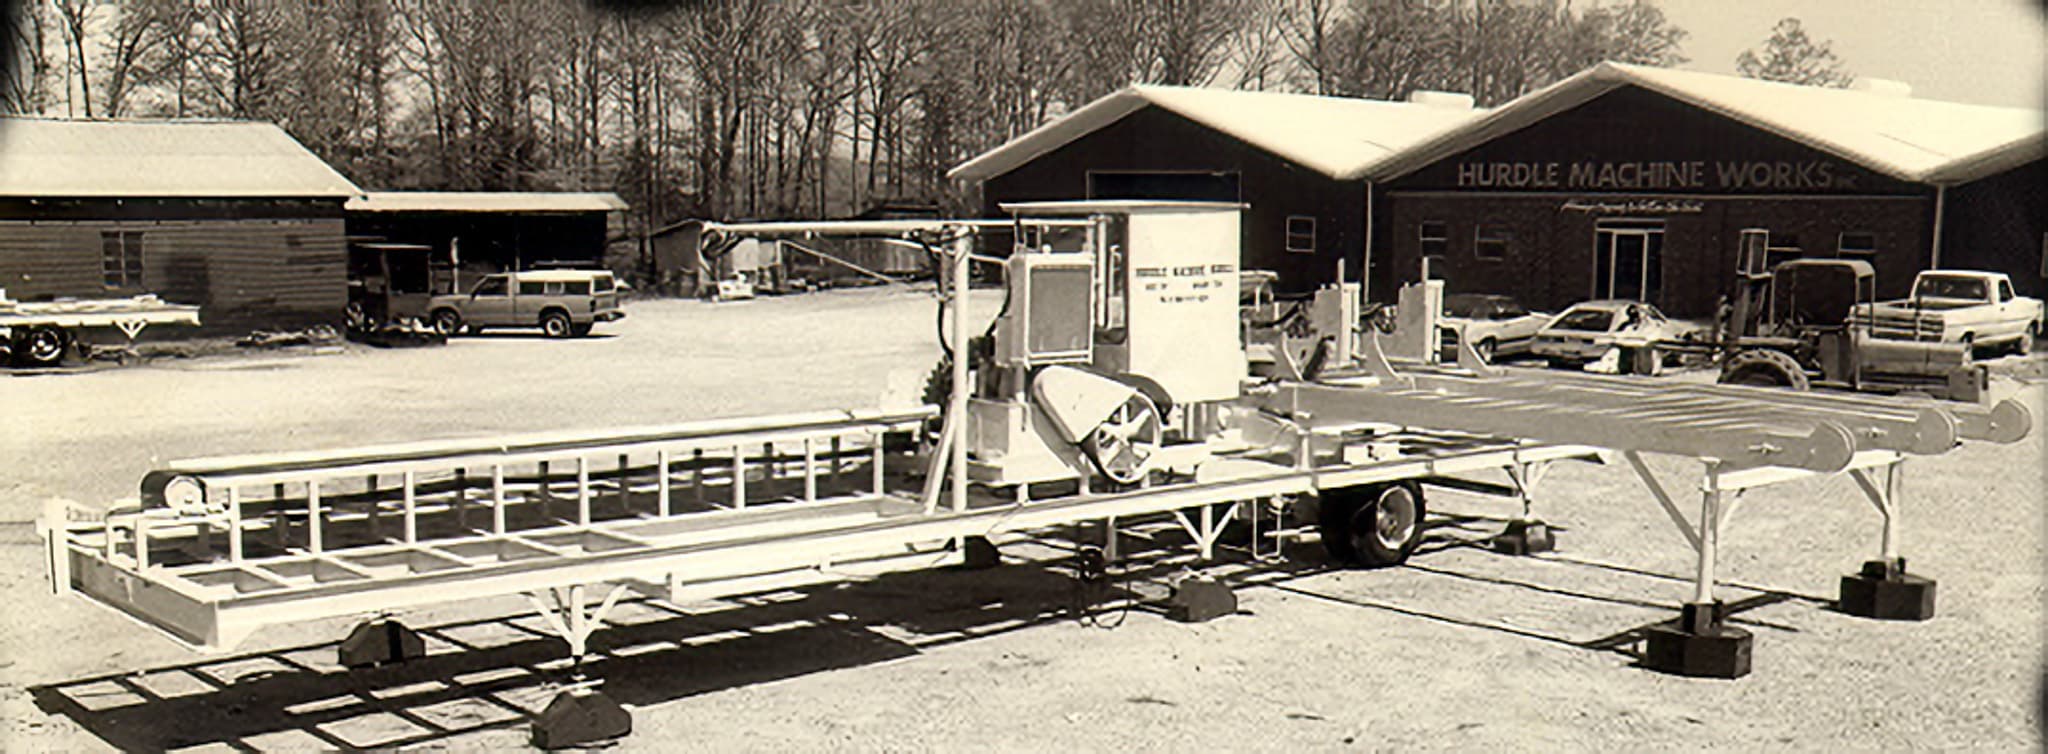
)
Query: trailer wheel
[
  {"x": 1374, "y": 525},
  {"x": 1764, "y": 368},
  {"x": 555, "y": 324},
  {"x": 42, "y": 346}
]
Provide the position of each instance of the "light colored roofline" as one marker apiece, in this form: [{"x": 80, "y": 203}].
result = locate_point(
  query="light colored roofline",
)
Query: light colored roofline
[
  {"x": 1586, "y": 85},
  {"x": 1047, "y": 138},
  {"x": 487, "y": 201},
  {"x": 1343, "y": 138},
  {"x": 70, "y": 158},
  {"x": 1990, "y": 162}
]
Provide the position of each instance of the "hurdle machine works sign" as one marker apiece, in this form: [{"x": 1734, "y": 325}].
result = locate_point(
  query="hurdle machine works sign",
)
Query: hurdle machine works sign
[{"x": 1702, "y": 175}]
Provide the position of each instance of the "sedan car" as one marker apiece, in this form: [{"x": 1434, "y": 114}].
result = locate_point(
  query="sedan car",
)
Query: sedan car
[
  {"x": 1588, "y": 329},
  {"x": 1494, "y": 325}
]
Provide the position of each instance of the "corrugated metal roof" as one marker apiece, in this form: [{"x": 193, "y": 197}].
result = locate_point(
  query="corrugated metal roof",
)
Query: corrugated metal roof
[
  {"x": 206, "y": 159},
  {"x": 1905, "y": 137},
  {"x": 1337, "y": 136},
  {"x": 486, "y": 201}
]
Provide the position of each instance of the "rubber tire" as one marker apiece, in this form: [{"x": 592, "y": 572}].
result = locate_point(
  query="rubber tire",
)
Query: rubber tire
[
  {"x": 447, "y": 322},
  {"x": 2025, "y": 345},
  {"x": 1764, "y": 368},
  {"x": 555, "y": 323},
  {"x": 1486, "y": 349},
  {"x": 42, "y": 346},
  {"x": 1350, "y": 519}
]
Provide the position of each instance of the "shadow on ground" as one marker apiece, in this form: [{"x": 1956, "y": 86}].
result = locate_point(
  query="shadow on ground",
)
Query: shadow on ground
[{"x": 499, "y": 672}]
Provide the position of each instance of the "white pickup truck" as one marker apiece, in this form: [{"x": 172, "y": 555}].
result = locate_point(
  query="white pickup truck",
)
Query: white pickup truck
[{"x": 1960, "y": 306}]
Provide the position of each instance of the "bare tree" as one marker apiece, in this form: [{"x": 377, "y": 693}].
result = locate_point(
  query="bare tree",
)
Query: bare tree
[
  {"x": 1792, "y": 57},
  {"x": 25, "y": 68},
  {"x": 73, "y": 19},
  {"x": 130, "y": 48}
]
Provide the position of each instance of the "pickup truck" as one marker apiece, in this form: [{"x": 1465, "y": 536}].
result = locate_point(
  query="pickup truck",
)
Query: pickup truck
[
  {"x": 1977, "y": 309},
  {"x": 562, "y": 303}
]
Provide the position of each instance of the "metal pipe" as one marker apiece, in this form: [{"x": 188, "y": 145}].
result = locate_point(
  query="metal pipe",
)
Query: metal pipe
[
  {"x": 1940, "y": 212},
  {"x": 957, "y": 407},
  {"x": 1889, "y": 546},
  {"x": 1710, "y": 536}
]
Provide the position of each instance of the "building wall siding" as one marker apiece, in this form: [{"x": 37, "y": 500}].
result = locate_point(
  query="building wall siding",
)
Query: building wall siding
[
  {"x": 2000, "y": 223},
  {"x": 1549, "y": 263},
  {"x": 1152, "y": 139},
  {"x": 242, "y": 273}
]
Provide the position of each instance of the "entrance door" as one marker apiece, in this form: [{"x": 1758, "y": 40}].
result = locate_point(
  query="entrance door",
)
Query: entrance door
[{"x": 1628, "y": 262}]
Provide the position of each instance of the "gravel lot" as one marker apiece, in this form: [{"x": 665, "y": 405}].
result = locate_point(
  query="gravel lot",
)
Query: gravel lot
[{"x": 1462, "y": 649}]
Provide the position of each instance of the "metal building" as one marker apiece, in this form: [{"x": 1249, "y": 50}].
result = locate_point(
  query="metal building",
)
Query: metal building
[
  {"x": 1634, "y": 182},
  {"x": 1303, "y": 163},
  {"x": 236, "y": 217}
]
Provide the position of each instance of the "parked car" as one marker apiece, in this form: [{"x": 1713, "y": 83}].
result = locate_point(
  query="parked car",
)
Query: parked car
[
  {"x": 1588, "y": 329},
  {"x": 1495, "y": 325},
  {"x": 1977, "y": 309},
  {"x": 562, "y": 303}
]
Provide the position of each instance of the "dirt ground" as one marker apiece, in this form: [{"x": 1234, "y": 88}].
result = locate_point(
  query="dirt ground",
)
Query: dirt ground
[{"x": 1461, "y": 649}]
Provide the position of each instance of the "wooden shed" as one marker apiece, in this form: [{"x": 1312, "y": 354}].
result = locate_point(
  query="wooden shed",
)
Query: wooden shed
[{"x": 235, "y": 217}]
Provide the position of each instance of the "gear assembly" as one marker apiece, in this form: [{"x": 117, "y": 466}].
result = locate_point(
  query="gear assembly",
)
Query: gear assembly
[{"x": 1124, "y": 378}]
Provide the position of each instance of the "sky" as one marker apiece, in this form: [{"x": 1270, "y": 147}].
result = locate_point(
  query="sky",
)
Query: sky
[{"x": 1986, "y": 52}]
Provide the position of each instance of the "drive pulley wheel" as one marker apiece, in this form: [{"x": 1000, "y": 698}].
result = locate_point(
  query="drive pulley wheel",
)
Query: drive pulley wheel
[
  {"x": 1125, "y": 440},
  {"x": 43, "y": 346},
  {"x": 1374, "y": 525},
  {"x": 556, "y": 324}
]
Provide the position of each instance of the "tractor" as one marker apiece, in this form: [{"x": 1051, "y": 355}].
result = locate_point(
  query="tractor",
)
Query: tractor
[{"x": 1806, "y": 323}]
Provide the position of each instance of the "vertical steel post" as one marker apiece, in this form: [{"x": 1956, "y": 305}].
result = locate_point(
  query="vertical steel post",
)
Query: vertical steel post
[
  {"x": 877, "y": 452},
  {"x": 234, "y": 524},
  {"x": 810, "y": 472},
  {"x": 957, "y": 406},
  {"x": 1893, "y": 473},
  {"x": 697, "y": 474},
  {"x": 661, "y": 489},
  {"x": 1710, "y": 535},
  {"x": 313, "y": 516},
  {"x": 739, "y": 477},
  {"x": 498, "y": 498},
  {"x": 376, "y": 511},
  {"x": 412, "y": 519},
  {"x": 582, "y": 490}
]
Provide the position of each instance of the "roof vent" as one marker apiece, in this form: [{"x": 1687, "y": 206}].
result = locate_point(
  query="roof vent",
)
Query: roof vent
[
  {"x": 1883, "y": 87},
  {"x": 1445, "y": 100}
]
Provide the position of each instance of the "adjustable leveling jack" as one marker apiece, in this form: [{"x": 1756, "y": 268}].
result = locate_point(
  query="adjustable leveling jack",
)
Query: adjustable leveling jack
[
  {"x": 1526, "y": 535},
  {"x": 1883, "y": 589},
  {"x": 580, "y": 715}
]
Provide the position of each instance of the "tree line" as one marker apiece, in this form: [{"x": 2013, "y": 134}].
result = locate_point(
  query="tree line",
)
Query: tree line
[{"x": 754, "y": 108}]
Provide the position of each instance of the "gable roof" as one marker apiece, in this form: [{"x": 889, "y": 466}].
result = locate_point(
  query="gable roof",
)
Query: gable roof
[
  {"x": 1908, "y": 138},
  {"x": 487, "y": 201},
  {"x": 164, "y": 158},
  {"x": 1339, "y": 137}
]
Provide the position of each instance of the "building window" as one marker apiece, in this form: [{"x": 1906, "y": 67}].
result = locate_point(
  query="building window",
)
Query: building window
[
  {"x": 1857, "y": 245},
  {"x": 1784, "y": 247},
  {"x": 1301, "y": 234},
  {"x": 1491, "y": 242},
  {"x": 1435, "y": 237},
  {"x": 121, "y": 259}
]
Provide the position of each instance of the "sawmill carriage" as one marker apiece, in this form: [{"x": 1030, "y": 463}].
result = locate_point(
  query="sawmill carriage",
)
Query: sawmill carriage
[{"x": 1113, "y": 386}]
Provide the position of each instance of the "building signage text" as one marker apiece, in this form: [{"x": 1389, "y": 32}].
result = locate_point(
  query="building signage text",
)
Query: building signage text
[
  {"x": 1633, "y": 207},
  {"x": 1695, "y": 174}
]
